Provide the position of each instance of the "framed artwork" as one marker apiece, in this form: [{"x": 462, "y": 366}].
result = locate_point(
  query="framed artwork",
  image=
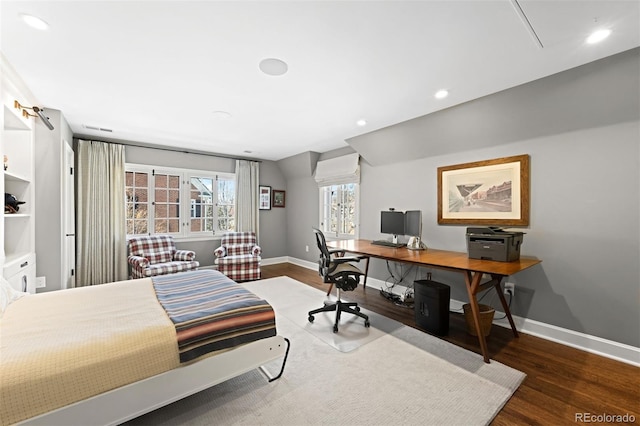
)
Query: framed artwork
[
  {"x": 490, "y": 192},
  {"x": 264, "y": 197},
  {"x": 278, "y": 198}
]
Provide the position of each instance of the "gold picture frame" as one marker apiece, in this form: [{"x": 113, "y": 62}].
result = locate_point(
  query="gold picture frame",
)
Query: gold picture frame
[
  {"x": 489, "y": 192},
  {"x": 278, "y": 198}
]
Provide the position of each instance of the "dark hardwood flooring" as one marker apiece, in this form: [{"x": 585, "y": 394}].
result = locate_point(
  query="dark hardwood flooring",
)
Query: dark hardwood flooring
[{"x": 561, "y": 381}]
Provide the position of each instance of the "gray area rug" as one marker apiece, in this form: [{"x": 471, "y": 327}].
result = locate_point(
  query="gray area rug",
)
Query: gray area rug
[{"x": 395, "y": 376}]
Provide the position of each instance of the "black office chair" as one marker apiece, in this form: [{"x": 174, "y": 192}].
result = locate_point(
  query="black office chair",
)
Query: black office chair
[{"x": 336, "y": 269}]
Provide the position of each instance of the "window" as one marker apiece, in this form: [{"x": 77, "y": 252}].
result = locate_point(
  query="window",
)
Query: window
[
  {"x": 339, "y": 210},
  {"x": 183, "y": 203}
]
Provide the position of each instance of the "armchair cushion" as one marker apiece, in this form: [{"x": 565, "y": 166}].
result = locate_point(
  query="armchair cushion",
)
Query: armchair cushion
[{"x": 160, "y": 257}]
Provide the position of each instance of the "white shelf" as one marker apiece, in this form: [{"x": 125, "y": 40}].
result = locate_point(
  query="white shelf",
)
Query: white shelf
[
  {"x": 16, "y": 215},
  {"x": 9, "y": 176}
]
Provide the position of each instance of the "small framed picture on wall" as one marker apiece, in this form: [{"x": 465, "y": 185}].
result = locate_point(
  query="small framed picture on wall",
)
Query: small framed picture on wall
[
  {"x": 278, "y": 198},
  {"x": 264, "y": 197}
]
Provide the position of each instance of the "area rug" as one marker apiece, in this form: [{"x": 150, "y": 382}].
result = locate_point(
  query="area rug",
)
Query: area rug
[
  {"x": 294, "y": 301},
  {"x": 403, "y": 377}
]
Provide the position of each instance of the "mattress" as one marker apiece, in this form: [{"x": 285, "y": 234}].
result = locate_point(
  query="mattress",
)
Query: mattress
[{"x": 64, "y": 346}]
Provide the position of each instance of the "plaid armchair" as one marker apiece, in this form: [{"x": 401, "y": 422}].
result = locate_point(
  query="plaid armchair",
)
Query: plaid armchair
[
  {"x": 151, "y": 255},
  {"x": 238, "y": 256}
]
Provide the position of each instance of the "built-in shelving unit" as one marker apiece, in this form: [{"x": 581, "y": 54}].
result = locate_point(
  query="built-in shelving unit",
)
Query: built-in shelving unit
[{"x": 17, "y": 144}]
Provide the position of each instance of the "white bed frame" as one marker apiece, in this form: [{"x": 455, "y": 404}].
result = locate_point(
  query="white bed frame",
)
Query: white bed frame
[{"x": 133, "y": 400}]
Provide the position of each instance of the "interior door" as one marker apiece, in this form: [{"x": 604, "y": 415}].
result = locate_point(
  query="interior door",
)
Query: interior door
[{"x": 69, "y": 220}]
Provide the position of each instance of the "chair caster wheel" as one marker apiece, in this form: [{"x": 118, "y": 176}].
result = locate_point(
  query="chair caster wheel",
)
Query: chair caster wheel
[
  {"x": 311, "y": 318},
  {"x": 335, "y": 328},
  {"x": 367, "y": 324}
]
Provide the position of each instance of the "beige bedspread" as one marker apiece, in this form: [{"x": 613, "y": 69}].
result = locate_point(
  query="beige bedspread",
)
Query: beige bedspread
[{"x": 60, "y": 347}]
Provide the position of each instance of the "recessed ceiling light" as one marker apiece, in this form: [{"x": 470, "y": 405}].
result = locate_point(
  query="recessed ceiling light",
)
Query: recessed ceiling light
[
  {"x": 598, "y": 36},
  {"x": 34, "y": 22},
  {"x": 441, "y": 94},
  {"x": 273, "y": 66},
  {"x": 362, "y": 122}
]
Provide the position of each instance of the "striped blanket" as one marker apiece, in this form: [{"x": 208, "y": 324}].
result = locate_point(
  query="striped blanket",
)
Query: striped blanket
[{"x": 211, "y": 312}]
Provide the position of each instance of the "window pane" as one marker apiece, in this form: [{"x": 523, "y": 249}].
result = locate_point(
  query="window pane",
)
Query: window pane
[
  {"x": 161, "y": 210},
  {"x": 136, "y": 203},
  {"x": 140, "y": 227},
  {"x": 161, "y": 181},
  {"x": 201, "y": 194},
  {"x": 167, "y": 204},
  {"x": 226, "y": 203}
]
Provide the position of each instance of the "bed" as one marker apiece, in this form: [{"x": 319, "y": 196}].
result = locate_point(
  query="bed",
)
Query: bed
[{"x": 109, "y": 353}]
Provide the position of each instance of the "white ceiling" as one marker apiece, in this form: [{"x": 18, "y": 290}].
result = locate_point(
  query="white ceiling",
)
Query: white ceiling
[{"x": 157, "y": 71}]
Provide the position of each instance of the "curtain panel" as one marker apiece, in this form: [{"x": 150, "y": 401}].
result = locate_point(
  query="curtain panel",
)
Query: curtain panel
[
  {"x": 101, "y": 233},
  {"x": 246, "y": 212}
]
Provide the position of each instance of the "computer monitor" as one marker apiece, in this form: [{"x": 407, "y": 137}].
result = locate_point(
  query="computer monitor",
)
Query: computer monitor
[
  {"x": 392, "y": 222},
  {"x": 413, "y": 223}
]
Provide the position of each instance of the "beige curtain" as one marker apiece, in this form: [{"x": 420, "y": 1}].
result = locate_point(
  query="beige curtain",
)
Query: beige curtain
[
  {"x": 101, "y": 233},
  {"x": 246, "y": 215}
]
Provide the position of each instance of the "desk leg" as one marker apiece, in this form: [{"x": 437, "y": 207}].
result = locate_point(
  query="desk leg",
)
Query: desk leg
[
  {"x": 473, "y": 285},
  {"x": 366, "y": 273},
  {"x": 505, "y": 305}
]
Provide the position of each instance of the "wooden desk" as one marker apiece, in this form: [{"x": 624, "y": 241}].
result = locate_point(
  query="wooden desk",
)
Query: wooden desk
[{"x": 473, "y": 270}]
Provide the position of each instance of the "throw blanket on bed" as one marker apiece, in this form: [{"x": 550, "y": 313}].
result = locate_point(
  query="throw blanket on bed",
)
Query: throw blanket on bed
[{"x": 211, "y": 312}]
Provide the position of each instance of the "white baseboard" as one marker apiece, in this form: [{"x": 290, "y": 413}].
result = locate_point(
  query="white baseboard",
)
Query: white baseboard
[{"x": 586, "y": 342}]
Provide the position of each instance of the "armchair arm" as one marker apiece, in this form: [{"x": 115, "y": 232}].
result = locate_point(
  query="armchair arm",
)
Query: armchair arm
[
  {"x": 220, "y": 252},
  {"x": 184, "y": 255},
  {"x": 256, "y": 251},
  {"x": 138, "y": 261}
]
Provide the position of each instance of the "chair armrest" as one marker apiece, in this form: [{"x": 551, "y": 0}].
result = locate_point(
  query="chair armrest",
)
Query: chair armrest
[
  {"x": 220, "y": 252},
  {"x": 339, "y": 260},
  {"x": 337, "y": 252},
  {"x": 256, "y": 251},
  {"x": 138, "y": 261},
  {"x": 184, "y": 255}
]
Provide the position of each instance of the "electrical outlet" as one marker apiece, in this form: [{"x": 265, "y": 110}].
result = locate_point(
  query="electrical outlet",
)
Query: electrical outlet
[
  {"x": 306, "y": 249},
  {"x": 509, "y": 288},
  {"x": 41, "y": 282}
]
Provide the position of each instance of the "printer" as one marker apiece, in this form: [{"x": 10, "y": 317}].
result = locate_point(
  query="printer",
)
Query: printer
[{"x": 492, "y": 243}]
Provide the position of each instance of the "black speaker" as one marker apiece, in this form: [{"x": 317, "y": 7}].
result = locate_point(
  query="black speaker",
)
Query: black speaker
[{"x": 431, "y": 304}]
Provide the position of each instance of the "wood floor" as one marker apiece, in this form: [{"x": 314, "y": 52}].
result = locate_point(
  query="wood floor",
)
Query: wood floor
[{"x": 561, "y": 382}]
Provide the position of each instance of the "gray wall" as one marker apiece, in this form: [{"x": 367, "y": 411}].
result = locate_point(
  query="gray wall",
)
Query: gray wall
[
  {"x": 585, "y": 187},
  {"x": 272, "y": 222},
  {"x": 48, "y": 192}
]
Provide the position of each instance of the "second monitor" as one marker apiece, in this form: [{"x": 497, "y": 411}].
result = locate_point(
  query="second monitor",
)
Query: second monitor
[{"x": 401, "y": 223}]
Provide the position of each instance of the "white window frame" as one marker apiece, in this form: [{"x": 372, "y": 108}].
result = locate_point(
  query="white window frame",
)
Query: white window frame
[
  {"x": 329, "y": 235},
  {"x": 185, "y": 208}
]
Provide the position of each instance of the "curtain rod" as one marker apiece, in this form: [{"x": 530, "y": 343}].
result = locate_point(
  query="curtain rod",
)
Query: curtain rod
[{"x": 150, "y": 146}]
